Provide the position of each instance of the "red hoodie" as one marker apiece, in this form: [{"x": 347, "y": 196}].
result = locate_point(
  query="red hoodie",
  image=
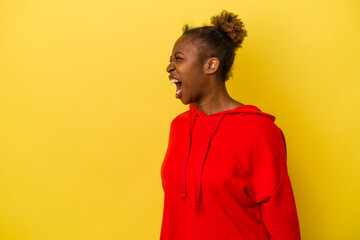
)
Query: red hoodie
[{"x": 225, "y": 177}]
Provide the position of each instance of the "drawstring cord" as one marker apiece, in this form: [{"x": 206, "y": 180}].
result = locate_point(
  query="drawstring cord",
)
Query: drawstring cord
[{"x": 200, "y": 170}]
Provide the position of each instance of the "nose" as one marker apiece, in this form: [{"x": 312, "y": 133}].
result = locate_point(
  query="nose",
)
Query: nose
[{"x": 170, "y": 67}]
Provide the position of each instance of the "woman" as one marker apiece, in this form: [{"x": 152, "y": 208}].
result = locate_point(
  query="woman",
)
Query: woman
[{"x": 224, "y": 174}]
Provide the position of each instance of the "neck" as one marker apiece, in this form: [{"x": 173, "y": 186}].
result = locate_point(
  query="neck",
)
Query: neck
[{"x": 217, "y": 99}]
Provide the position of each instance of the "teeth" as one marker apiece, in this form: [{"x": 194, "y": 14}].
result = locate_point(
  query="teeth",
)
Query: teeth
[
  {"x": 174, "y": 80},
  {"x": 177, "y": 92}
]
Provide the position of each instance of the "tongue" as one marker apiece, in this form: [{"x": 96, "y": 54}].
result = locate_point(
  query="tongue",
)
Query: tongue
[{"x": 178, "y": 86}]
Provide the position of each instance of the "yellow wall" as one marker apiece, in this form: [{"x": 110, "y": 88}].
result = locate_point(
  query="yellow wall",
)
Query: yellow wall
[{"x": 86, "y": 104}]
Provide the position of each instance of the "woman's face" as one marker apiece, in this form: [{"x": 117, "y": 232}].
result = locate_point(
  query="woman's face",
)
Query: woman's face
[{"x": 185, "y": 67}]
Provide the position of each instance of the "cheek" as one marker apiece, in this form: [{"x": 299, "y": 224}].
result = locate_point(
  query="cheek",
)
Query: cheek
[
  {"x": 191, "y": 77},
  {"x": 195, "y": 81}
]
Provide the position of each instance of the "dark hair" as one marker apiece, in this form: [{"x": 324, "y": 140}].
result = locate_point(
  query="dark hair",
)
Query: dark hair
[{"x": 220, "y": 40}]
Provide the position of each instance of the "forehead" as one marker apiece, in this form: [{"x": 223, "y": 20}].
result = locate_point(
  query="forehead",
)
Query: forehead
[{"x": 185, "y": 44}]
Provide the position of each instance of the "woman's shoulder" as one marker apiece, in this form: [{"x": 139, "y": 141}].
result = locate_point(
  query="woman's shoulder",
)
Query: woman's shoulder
[
  {"x": 261, "y": 130},
  {"x": 254, "y": 123},
  {"x": 180, "y": 119}
]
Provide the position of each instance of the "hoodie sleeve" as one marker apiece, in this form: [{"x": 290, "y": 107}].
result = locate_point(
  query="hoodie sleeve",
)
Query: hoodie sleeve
[
  {"x": 279, "y": 213},
  {"x": 169, "y": 145},
  {"x": 270, "y": 184}
]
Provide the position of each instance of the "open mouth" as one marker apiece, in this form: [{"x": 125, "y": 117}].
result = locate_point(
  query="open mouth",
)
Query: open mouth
[{"x": 178, "y": 87}]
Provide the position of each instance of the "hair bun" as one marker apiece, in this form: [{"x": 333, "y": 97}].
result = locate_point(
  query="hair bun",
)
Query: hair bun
[{"x": 231, "y": 25}]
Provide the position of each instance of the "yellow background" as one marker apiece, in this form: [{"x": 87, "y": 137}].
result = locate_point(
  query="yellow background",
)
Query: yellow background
[{"x": 86, "y": 106}]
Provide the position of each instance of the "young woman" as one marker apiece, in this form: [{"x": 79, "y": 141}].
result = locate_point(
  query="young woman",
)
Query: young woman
[{"x": 224, "y": 174}]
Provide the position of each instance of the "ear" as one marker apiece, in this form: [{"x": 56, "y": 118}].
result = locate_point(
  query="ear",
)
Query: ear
[{"x": 211, "y": 65}]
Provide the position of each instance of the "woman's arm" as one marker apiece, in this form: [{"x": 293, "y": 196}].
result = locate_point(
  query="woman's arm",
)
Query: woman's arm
[
  {"x": 279, "y": 214},
  {"x": 270, "y": 184}
]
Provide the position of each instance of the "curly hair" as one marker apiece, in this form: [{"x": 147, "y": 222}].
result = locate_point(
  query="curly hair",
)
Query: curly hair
[{"x": 220, "y": 40}]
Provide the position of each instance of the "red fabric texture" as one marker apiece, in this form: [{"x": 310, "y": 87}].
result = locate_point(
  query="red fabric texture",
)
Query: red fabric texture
[{"x": 225, "y": 176}]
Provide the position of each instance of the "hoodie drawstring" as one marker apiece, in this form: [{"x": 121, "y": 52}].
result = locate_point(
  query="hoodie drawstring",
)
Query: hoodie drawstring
[
  {"x": 183, "y": 192},
  {"x": 198, "y": 181},
  {"x": 183, "y": 168}
]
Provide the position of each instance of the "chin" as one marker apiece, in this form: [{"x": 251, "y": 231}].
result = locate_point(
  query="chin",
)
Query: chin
[{"x": 184, "y": 101}]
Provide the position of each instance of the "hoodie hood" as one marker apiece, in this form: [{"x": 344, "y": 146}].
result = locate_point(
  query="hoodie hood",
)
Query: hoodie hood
[{"x": 217, "y": 117}]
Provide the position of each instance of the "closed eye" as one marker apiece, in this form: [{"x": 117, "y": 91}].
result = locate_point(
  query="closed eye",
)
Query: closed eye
[{"x": 177, "y": 58}]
